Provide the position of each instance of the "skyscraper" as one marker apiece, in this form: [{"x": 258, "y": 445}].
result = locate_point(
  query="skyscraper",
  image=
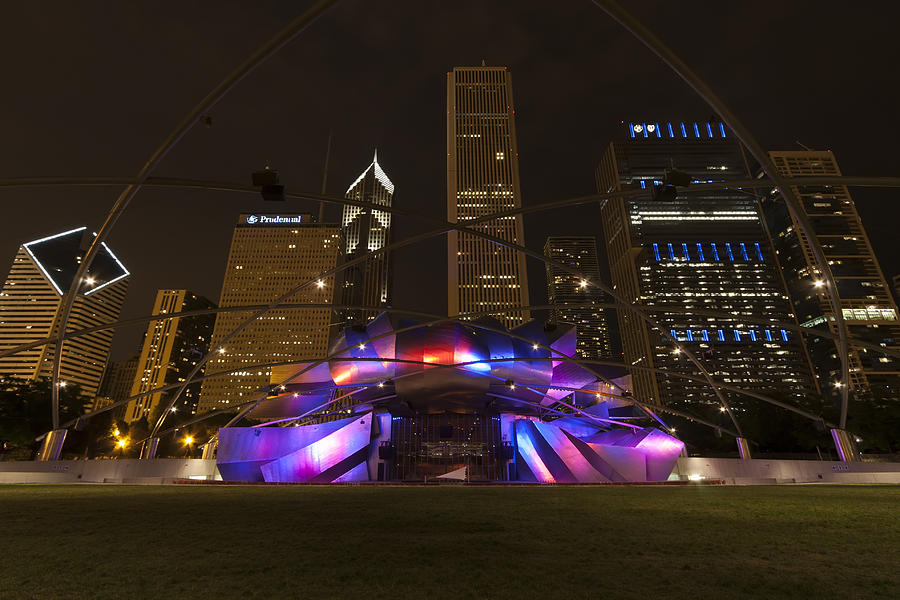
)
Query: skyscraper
[
  {"x": 364, "y": 230},
  {"x": 680, "y": 254},
  {"x": 270, "y": 255},
  {"x": 42, "y": 272},
  {"x": 116, "y": 384},
  {"x": 566, "y": 291},
  {"x": 865, "y": 298},
  {"x": 170, "y": 350},
  {"x": 483, "y": 178}
]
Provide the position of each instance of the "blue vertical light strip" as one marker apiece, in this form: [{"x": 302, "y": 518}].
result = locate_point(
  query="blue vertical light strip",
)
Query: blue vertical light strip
[
  {"x": 715, "y": 251},
  {"x": 696, "y": 130},
  {"x": 709, "y": 130},
  {"x": 737, "y": 335},
  {"x": 685, "y": 250},
  {"x": 671, "y": 134},
  {"x": 768, "y": 335},
  {"x": 658, "y": 131},
  {"x": 759, "y": 252},
  {"x": 700, "y": 251},
  {"x": 631, "y": 129},
  {"x": 728, "y": 251},
  {"x": 753, "y": 335},
  {"x": 656, "y": 251},
  {"x": 744, "y": 252},
  {"x": 690, "y": 335},
  {"x": 722, "y": 129},
  {"x": 674, "y": 333},
  {"x": 643, "y": 183},
  {"x": 683, "y": 131},
  {"x": 671, "y": 252},
  {"x": 645, "y": 130},
  {"x": 721, "y": 335},
  {"x": 784, "y": 335},
  {"x": 705, "y": 335}
]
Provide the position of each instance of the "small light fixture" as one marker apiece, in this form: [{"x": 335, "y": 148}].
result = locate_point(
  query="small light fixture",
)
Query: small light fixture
[{"x": 320, "y": 284}]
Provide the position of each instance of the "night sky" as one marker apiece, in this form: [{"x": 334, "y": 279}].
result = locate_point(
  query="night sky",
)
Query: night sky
[{"x": 90, "y": 89}]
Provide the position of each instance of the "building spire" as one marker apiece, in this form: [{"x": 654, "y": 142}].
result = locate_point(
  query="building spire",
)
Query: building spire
[
  {"x": 375, "y": 160},
  {"x": 482, "y": 63}
]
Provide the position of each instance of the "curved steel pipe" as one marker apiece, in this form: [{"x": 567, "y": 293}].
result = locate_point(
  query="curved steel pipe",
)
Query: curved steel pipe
[{"x": 265, "y": 51}]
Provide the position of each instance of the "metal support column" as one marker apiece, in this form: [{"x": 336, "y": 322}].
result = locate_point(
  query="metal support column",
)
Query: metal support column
[
  {"x": 743, "y": 448},
  {"x": 148, "y": 450},
  {"x": 209, "y": 449},
  {"x": 52, "y": 446},
  {"x": 846, "y": 449}
]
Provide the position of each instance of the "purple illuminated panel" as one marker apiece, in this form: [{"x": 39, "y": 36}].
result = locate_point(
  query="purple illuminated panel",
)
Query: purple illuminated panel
[
  {"x": 314, "y": 453},
  {"x": 547, "y": 453}
]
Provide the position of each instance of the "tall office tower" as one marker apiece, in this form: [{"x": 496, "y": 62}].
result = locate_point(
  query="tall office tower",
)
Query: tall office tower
[
  {"x": 116, "y": 384},
  {"x": 42, "y": 272},
  {"x": 483, "y": 178},
  {"x": 865, "y": 298},
  {"x": 270, "y": 255},
  {"x": 676, "y": 253},
  {"x": 364, "y": 230},
  {"x": 566, "y": 292},
  {"x": 170, "y": 350}
]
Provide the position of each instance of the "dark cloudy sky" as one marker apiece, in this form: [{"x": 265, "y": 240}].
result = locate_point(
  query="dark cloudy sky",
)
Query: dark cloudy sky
[{"x": 91, "y": 88}]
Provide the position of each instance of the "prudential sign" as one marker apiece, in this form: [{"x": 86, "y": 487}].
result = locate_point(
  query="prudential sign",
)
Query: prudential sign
[{"x": 273, "y": 220}]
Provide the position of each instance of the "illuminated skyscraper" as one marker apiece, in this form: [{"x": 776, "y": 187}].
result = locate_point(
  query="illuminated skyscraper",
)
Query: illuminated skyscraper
[
  {"x": 170, "y": 350},
  {"x": 270, "y": 255},
  {"x": 865, "y": 298},
  {"x": 483, "y": 178},
  {"x": 677, "y": 253},
  {"x": 364, "y": 230},
  {"x": 42, "y": 272},
  {"x": 566, "y": 291}
]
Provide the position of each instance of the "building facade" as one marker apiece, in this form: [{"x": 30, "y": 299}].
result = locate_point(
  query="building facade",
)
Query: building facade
[
  {"x": 171, "y": 349},
  {"x": 270, "y": 255},
  {"x": 483, "y": 178},
  {"x": 684, "y": 254},
  {"x": 574, "y": 302},
  {"x": 42, "y": 272},
  {"x": 865, "y": 298},
  {"x": 364, "y": 230}
]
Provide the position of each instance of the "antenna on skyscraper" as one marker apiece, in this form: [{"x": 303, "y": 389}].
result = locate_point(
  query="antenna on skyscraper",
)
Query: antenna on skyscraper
[
  {"x": 482, "y": 63},
  {"x": 325, "y": 178}
]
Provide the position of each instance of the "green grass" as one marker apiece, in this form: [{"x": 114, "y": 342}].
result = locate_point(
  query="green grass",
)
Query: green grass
[{"x": 84, "y": 541}]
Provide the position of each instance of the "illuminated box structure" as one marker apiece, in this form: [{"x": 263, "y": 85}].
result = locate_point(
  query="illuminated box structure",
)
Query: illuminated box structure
[{"x": 435, "y": 400}]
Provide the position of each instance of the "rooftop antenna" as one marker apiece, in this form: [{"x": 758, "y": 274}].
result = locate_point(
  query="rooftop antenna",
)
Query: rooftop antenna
[
  {"x": 802, "y": 145},
  {"x": 325, "y": 178},
  {"x": 482, "y": 63}
]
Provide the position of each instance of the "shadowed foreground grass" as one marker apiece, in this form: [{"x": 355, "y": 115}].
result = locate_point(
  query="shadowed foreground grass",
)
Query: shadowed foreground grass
[{"x": 83, "y": 541}]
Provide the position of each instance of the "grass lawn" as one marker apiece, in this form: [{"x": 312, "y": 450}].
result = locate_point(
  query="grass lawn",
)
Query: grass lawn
[{"x": 86, "y": 541}]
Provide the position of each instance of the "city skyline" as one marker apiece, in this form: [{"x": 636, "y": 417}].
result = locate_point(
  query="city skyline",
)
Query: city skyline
[{"x": 563, "y": 113}]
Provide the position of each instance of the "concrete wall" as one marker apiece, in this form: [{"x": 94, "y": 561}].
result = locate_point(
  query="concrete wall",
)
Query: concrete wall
[
  {"x": 156, "y": 471},
  {"x": 764, "y": 471}
]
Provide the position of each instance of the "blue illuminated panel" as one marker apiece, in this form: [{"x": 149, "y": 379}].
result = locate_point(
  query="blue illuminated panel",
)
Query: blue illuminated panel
[
  {"x": 696, "y": 130},
  {"x": 744, "y": 252},
  {"x": 721, "y": 335},
  {"x": 784, "y": 335},
  {"x": 759, "y": 252},
  {"x": 685, "y": 251},
  {"x": 752, "y": 335},
  {"x": 715, "y": 251},
  {"x": 671, "y": 134},
  {"x": 700, "y": 251},
  {"x": 671, "y": 252},
  {"x": 705, "y": 335},
  {"x": 631, "y": 129},
  {"x": 768, "y": 335},
  {"x": 728, "y": 251},
  {"x": 683, "y": 131},
  {"x": 737, "y": 335},
  {"x": 656, "y": 250},
  {"x": 709, "y": 130},
  {"x": 722, "y": 129}
]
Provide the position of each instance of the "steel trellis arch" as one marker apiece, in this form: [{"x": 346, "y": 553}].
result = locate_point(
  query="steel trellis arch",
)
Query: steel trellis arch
[{"x": 265, "y": 51}]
